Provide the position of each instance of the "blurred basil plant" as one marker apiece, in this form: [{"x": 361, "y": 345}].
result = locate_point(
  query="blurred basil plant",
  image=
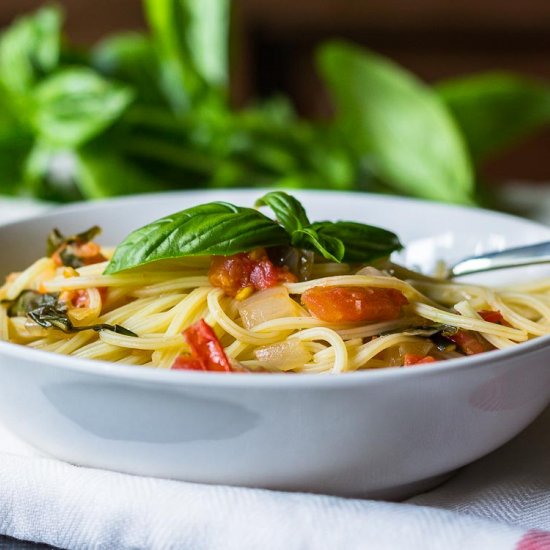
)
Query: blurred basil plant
[{"x": 149, "y": 112}]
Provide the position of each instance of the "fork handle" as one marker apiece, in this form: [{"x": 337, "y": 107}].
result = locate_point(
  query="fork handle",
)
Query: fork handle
[{"x": 511, "y": 257}]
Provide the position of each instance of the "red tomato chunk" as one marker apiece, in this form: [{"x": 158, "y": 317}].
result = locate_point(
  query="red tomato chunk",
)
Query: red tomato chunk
[
  {"x": 410, "y": 359},
  {"x": 81, "y": 298},
  {"x": 206, "y": 351},
  {"x": 469, "y": 342},
  {"x": 492, "y": 316},
  {"x": 89, "y": 253},
  {"x": 251, "y": 270},
  {"x": 335, "y": 304}
]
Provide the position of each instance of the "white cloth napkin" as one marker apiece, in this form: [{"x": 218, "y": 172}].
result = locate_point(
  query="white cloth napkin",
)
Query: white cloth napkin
[{"x": 500, "y": 502}]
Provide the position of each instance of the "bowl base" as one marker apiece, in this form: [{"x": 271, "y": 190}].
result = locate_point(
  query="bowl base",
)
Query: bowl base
[{"x": 402, "y": 492}]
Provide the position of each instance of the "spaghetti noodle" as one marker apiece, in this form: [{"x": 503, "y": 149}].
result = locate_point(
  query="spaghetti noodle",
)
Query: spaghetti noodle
[{"x": 339, "y": 317}]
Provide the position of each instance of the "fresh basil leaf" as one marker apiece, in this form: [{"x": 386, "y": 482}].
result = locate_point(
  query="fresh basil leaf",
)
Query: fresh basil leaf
[
  {"x": 192, "y": 39},
  {"x": 494, "y": 110},
  {"x": 336, "y": 241},
  {"x": 289, "y": 211},
  {"x": 362, "y": 243},
  {"x": 328, "y": 246},
  {"x": 216, "y": 228},
  {"x": 398, "y": 124},
  {"x": 29, "y": 49},
  {"x": 74, "y": 105},
  {"x": 292, "y": 216}
]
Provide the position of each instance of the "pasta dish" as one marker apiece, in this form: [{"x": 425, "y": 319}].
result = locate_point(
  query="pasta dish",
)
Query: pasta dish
[{"x": 218, "y": 287}]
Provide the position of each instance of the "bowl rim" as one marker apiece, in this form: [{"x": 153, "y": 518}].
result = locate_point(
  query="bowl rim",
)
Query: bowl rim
[
  {"x": 49, "y": 210},
  {"x": 156, "y": 376},
  {"x": 184, "y": 378}
]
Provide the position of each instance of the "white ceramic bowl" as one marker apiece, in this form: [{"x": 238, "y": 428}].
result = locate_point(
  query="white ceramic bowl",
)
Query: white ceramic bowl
[{"x": 384, "y": 433}]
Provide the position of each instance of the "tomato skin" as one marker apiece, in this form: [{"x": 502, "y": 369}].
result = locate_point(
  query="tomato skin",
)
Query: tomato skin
[
  {"x": 469, "y": 342},
  {"x": 410, "y": 359},
  {"x": 348, "y": 304},
  {"x": 492, "y": 316},
  {"x": 81, "y": 298},
  {"x": 206, "y": 351},
  {"x": 246, "y": 270},
  {"x": 76, "y": 298},
  {"x": 187, "y": 363}
]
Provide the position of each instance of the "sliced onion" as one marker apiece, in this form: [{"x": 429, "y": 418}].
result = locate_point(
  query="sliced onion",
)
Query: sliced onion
[
  {"x": 394, "y": 356},
  {"x": 272, "y": 303},
  {"x": 22, "y": 328},
  {"x": 421, "y": 347},
  {"x": 288, "y": 355},
  {"x": 370, "y": 271}
]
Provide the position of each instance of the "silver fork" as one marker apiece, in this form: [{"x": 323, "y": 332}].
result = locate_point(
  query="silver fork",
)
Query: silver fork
[{"x": 512, "y": 257}]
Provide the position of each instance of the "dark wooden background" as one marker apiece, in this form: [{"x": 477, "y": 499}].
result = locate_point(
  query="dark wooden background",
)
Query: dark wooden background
[{"x": 434, "y": 38}]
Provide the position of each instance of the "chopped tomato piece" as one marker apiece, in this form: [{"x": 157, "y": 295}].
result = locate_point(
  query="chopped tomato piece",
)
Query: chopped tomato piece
[
  {"x": 75, "y": 298},
  {"x": 187, "y": 363},
  {"x": 492, "y": 316},
  {"x": 206, "y": 351},
  {"x": 252, "y": 270},
  {"x": 103, "y": 291},
  {"x": 85, "y": 253},
  {"x": 81, "y": 298},
  {"x": 336, "y": 304},
  {"x": 469, "y": 342},
  {"x": 57, "y": 259},
  {"x": 415, "y": 359}
]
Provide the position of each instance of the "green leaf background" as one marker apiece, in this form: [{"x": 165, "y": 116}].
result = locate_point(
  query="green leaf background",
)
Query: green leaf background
[
  {"x": 398, "y": 123},
  {"x": 154, "y": 108}
]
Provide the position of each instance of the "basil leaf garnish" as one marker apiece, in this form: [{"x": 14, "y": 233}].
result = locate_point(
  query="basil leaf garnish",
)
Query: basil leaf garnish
[
  {"x": 216, "y": 228},
  {"x": 361, "y": 242},
  {"x": 336, "y": 241},
  {"x": 29, "y": 300},
  {"x": 220, "y": 228},
  {"x": 289, "y": 211},
  {"x": 291, "y": 215},
  {"x": 328, "y": 246},
  {"x": 47, "y": 311}
]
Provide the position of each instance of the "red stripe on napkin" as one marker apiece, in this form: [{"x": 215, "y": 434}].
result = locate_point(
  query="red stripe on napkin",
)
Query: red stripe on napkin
[{"x": 535, "y": 540}]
